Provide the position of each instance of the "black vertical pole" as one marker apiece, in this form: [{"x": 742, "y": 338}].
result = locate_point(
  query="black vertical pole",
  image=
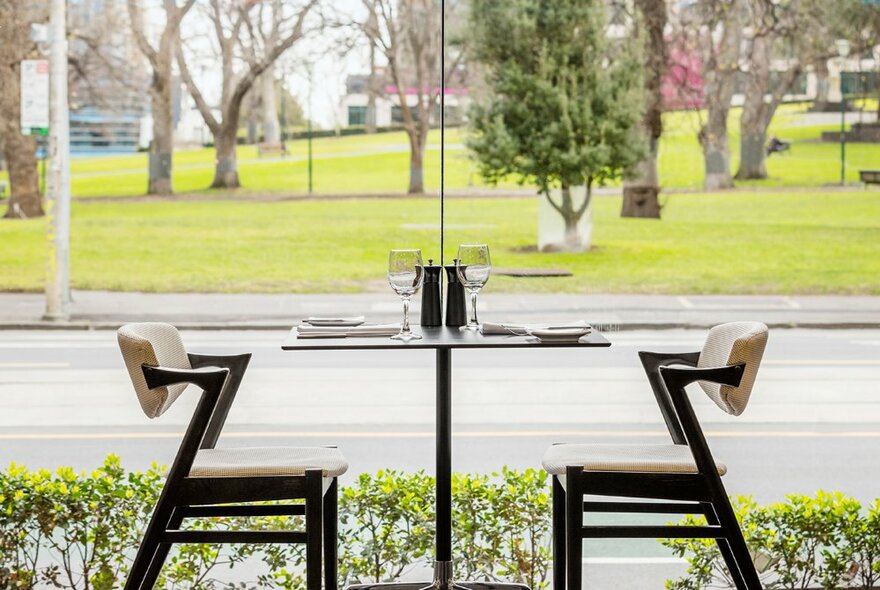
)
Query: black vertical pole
[
  {"x": 442, "y": 129},
  {"x": 444, "y": 455}
]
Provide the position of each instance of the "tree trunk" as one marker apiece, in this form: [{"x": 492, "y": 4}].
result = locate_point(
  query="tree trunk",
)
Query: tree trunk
[
  {"x": 162, "y": 146},
  {"x": 641, "y": 193},
  {"x": 372, "y": 91},
  {"x": 24, "y": 180},
  {"x": 822, "y": 86},
  {"x": 417, "y": 163},
  {"x": 252, "y": 125},
  {"x": 572, "y": 239},
  {"x": 571, "y": 218},
  {"x": 271, "y": 133},
  {"x": 720, "y": 84},
  {"x": 226, "y": 166},
  {"x": 716, "y": 156},
  {"x": 755, "y": 119}
]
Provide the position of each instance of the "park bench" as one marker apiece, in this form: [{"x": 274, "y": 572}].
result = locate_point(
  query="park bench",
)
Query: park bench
[
  {"x": 869, "y": 176},
  {"x": 271, "y": 149}
]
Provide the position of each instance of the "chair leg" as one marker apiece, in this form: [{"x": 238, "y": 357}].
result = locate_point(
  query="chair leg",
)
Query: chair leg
[
  {"x": 558, "y": 535},
  {"x": 574, "y": 523},
  {"x": 724, "y": 548},
  {"x": 314, "y": 528},
  {"x": 149, "y": 544},
  {"x": 737, "y": 543},
  {"x": 330, "y": 536},
  {"x": 161, "y": 553}
]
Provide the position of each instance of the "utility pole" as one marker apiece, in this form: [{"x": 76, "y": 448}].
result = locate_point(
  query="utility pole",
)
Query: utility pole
[{"x": 58, "y": 190}]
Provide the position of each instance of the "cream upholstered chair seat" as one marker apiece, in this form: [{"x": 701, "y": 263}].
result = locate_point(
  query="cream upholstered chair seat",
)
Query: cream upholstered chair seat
[
  {"x": 631, "y": 458},
  {"x": 257, "y": 461}
]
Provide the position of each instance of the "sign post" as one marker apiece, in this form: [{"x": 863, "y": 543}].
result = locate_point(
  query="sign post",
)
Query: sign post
[
  {"x": 35, "y": 97},
  {"x": 58, "y": 189}
]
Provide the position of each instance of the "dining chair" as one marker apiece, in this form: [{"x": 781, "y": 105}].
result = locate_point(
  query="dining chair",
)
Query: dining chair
[
  {"x": 209, "y": 482},
  {"x": 677, "y": 478}
]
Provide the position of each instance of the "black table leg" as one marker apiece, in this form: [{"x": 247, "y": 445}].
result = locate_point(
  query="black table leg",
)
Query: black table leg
[
  {"x": 443, "y": 551},
  {"x": 443, "y": 566}
]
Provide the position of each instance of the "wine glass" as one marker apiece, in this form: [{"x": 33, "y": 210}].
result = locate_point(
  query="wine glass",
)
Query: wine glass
[
  {"x": 405, "y": 274},
  {"x": 473, "y": 268}
]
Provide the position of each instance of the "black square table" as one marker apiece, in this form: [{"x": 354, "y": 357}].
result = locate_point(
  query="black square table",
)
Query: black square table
[{"x": 442, "y": 340}]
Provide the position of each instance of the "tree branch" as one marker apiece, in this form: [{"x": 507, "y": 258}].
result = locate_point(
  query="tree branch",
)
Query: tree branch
[
  {"x": 194, "y": 91},
  {"x": 136, "y": 18}
]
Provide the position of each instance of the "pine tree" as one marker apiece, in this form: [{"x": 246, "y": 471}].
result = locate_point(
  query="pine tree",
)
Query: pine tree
[{"x": 564, "y": 102}]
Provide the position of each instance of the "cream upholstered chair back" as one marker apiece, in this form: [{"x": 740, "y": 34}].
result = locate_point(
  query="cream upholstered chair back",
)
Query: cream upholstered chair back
[
  {"x": 732, "y": 344},
  {"x": 156, "y": 345}
]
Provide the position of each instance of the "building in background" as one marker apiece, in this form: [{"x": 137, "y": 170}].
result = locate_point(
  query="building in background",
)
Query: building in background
[
  {"x": 354, "y": 108},
  {"x": 107, "y": 88}
]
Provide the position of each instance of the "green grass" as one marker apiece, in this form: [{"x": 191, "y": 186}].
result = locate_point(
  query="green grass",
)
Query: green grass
[
  {"x": 743, "y": 242},
  {"x": 380, "y": 163}
]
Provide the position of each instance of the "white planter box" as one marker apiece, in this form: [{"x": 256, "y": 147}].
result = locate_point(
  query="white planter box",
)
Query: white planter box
[{"x": 551, "y": 225}]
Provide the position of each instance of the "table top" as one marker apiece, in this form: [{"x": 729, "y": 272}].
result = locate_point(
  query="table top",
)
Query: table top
[{"x": 437, "y": 338}]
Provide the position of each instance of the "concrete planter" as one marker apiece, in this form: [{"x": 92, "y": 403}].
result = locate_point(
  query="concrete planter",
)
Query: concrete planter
[{"x": 552, "y": 233}]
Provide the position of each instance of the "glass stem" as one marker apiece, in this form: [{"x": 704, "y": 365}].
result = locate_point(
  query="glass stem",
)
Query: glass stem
[
  {"x": 474, "y": 321},
  {"x": 405, "y": 327}
]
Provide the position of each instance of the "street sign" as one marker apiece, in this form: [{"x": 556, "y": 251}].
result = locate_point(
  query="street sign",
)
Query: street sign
[{"x": 35, "y": 97}]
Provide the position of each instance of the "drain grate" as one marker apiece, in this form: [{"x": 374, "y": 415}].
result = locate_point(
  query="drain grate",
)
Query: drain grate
[{"x": 532, "y": 273}]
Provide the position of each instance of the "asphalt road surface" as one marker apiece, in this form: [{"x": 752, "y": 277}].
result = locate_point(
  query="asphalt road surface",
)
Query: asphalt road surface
[{"x": 814, "y": 420}]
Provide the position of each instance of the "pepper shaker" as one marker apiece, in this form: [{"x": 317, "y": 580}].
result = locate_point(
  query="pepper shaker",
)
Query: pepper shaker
[
  {"x": 431, "y": 304},
  {"x": 456, "y": 307}
]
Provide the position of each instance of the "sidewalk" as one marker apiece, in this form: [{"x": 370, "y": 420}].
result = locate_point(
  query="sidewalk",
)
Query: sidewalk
[{"x": 108, "y": 310}]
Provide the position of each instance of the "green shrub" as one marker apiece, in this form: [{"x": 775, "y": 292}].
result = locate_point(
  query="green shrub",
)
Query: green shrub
[
  {"x": 81, "y": 530},
  {"x": 72, "y": 530},
  {"x": 825, "y": 541}
]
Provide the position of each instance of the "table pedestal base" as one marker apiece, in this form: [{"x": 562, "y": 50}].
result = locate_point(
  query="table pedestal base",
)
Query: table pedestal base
[{"x": 442, "y": 581}]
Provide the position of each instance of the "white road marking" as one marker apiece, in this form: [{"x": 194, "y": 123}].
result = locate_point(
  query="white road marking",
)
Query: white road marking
[
  {"x": 634, "y": 560},
  {"x": 34, "y": 365}
]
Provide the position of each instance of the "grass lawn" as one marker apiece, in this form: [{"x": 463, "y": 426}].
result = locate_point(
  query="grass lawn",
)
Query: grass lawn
[
  {"x": 380, "y": 163},
  {"x": 742, "y": 242}
]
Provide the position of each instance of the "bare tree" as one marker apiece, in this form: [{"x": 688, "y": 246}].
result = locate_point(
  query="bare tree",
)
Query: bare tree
[
  {"x": 797, "y": 33},
  {"x": 20, "y": 150},
  {"x": 407, "y": 33},
  {"x": 720, "y": 41},
  {"x": 371, "y": 30},
  {"x": 269, "y": 104},
  {"x": 249, "y": 37},
  {"x": 161, "y": 59},
  {"x": 641, "y": 192}
]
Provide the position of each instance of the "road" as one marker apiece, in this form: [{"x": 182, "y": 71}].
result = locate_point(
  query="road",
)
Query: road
[{"x": 814, "y": 420}]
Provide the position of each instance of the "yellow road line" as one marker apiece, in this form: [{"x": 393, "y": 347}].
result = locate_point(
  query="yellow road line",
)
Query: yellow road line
[{"x": 428, "y": 435}]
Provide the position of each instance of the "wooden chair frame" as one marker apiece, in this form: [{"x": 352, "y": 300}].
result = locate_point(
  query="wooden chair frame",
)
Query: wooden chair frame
[
  {"x": 182, "y": 497},
  {"x": 667, "y": 493}
]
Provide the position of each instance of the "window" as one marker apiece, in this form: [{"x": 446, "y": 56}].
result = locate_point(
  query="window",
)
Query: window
[{"x": 357, "y": 116}]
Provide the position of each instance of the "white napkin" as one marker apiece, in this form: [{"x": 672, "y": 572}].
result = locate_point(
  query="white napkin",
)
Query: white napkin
[
  {"x": 505, "y": 329},
  {"x": 307, "y": 331}
]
